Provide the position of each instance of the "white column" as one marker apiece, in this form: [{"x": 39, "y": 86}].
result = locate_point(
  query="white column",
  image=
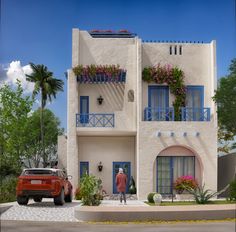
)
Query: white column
[
  {"x": 72, "y": 143},
  {"x": 72, "y": 110}
]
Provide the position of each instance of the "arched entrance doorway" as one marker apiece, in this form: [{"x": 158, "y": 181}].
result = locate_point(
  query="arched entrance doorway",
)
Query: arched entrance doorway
[{"x": 172, "y": 163}]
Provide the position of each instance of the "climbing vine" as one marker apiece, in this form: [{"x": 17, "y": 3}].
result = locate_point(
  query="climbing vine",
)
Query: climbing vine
[{"x": 174, "y": 78}]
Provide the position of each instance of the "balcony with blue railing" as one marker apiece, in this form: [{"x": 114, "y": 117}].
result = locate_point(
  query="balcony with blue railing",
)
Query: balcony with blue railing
[
  {"x": 195, "y": 114},
  {"x": 168, "y": 114},
  {"x": 159, "y": 114},
  {"x": 95, "y": 120}
]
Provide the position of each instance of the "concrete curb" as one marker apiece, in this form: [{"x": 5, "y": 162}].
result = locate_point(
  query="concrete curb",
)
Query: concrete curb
[{"x": 155, "y": 213}]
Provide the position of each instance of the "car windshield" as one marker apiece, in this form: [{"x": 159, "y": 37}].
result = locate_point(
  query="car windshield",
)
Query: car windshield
[{"x": 39, "y": 172}]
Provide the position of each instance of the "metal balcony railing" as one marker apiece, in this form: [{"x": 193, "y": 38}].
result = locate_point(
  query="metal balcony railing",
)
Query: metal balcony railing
[
  {"x": 95, "y": 120},
  {"x": 167, "y": 114},
  {"x": 159, "y": 114},
  {"x": 195, "y": 114}
]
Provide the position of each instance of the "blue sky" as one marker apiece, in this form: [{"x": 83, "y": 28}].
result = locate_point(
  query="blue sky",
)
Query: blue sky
[{"x": 39, "y": 31}]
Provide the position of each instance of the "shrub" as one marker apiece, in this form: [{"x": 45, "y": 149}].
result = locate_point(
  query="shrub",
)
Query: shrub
[
  {"x": 184, "y": 182},
  {"x": 78, "y": 194},
  {"x": 232, "y": 190},
  {"x": 90, "y": 190},
  {"x": 8, "y": 189},
  {"x": 201, "y": 195},
  {"x": 150, "y": 197}
]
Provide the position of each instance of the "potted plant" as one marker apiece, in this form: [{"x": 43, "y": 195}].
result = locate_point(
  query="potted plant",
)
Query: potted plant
[{"x": 157, "y": 198}]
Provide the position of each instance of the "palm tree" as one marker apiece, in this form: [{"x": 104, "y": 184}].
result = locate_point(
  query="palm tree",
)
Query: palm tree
[{"x": 47, "y": 86}]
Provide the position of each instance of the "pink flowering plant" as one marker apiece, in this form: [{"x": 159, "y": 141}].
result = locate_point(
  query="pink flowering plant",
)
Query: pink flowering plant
[
  {"x": 172, "y": 76},
  {"x": 90, "y": 72},
  {"x": 185, "y": 182}
]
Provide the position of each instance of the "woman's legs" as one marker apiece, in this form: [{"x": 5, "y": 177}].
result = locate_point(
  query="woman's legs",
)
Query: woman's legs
[{"x": 124, "y": 197}]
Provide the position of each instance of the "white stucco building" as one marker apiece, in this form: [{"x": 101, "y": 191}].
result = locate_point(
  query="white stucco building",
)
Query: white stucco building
[{"x": 132, "y": 127}]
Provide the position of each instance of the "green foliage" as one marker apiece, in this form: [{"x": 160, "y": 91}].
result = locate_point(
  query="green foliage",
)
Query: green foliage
[
  {"x": 44, "y": 83},
  {"x": 201, "y": 195},
  {"x": 20, "y": 135},
  {"x": 78, "y": 194},
  {"x": 92, "y": 70},
  {"x": 8, "y": 189},
  {"x": 90, "y": 190},
  {"x": 33, "y": 146},
  {"x": 14, "y": 110},
  {"x": 150, "y": 197},
  {"x": 226, "y": 101},
  {"x": 174, "y": 77},
  {"x": 47, "y": 86},
  {"x": 225, "y": 139},
  {"x": 232, "y": 191}
]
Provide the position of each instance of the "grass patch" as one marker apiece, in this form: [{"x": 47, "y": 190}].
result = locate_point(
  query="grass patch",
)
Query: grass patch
[{"x": 165, "y": 203}]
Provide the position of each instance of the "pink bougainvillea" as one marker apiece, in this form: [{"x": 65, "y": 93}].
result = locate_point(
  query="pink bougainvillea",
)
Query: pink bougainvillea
[{"x": 185, "y": 182}]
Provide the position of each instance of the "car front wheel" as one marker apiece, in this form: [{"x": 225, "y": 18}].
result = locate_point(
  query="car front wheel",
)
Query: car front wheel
[
  {"x": 22, "y": 200},
  {"x": 60, "y": 200}
]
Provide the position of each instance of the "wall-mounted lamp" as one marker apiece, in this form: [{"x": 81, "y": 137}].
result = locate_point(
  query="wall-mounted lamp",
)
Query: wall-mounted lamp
[
  {"x": 100, "y": 166},
  {"x": 100, "y": 100}
]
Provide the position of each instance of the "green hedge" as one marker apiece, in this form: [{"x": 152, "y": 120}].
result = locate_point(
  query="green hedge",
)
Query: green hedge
[{"x": 8, "y": 189}]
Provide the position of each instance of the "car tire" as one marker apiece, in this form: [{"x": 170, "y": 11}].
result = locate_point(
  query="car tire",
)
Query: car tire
[
  {"x": 37, "y": 199},
  {"x": 60, "y": 200},
  {"x": 22, "y": 200},
  {"x": 68, "y": 198}
]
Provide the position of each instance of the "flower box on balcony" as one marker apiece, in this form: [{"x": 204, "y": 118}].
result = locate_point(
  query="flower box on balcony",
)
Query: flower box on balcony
[{"x": 99, "y": 73}]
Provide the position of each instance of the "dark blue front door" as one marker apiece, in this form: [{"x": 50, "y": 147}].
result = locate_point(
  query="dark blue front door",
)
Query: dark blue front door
[
  {"x": 126, "y": 169},
  {"x": 84, "y": 109}
]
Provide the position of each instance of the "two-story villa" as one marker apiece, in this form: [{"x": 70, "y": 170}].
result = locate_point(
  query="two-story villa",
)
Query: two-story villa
[{"x": 131, "y": 123}]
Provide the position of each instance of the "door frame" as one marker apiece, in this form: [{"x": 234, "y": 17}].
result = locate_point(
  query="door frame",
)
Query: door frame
[{"x": 114, "y": 177}]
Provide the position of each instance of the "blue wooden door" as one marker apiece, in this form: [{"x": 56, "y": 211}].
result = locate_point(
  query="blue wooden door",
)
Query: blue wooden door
[
  {"x": 158, "y": 102},
  {"x": 84, "y": 109},
  {"x": 126, "y": 169}
]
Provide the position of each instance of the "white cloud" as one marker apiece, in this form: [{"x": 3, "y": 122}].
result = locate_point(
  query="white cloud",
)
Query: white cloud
[{"x": 16, "y": 71}]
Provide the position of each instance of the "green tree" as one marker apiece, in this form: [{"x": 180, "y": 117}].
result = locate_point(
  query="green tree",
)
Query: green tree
[
  {"x": 225, "y": 97},
  {"x": 14, "y": 110},
  {"x": 47, "y": 86},
  {"x": 33, "y": 147}
]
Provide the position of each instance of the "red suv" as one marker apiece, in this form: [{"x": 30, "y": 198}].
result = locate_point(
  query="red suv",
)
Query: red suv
[{"x": 38, "y": 183}]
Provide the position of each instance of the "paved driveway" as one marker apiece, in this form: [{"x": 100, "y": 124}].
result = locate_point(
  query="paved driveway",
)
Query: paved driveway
[{"x": 43, "y": 211}]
